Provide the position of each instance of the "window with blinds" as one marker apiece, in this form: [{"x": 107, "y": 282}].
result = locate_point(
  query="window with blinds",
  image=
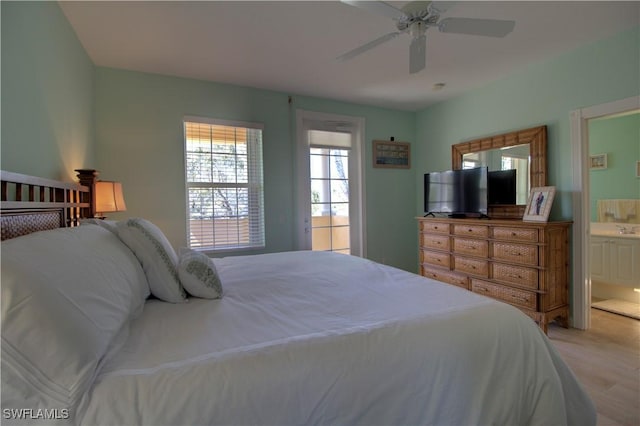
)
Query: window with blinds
[{"x": 223, "y": 164}]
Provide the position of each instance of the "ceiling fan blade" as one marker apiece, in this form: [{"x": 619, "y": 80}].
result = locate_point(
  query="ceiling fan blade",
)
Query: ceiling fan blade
[
  {"x": 481, "y": 27},
  {"x": 358, "y": 50},
  {"x": 441, "y": 6},
  {"x": 418, "y": 54},
  {"x": 379, "y": 7}
]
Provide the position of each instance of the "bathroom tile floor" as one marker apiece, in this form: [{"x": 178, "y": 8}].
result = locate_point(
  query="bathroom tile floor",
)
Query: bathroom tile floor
[{"x": 618, "y": 306}]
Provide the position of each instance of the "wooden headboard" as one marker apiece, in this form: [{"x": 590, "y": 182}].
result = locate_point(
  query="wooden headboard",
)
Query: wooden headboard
[{"x": 30, "y": 204}]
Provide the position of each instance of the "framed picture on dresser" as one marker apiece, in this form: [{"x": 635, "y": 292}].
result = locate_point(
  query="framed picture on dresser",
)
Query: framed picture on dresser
[{"x": 539, "y": 204}]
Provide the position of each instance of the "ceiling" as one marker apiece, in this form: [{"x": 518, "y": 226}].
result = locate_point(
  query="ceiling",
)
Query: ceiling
[{"x": 291, "y": 46}]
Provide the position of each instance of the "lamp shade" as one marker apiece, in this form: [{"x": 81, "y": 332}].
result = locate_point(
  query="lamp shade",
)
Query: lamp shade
[{"x": 109, "y": 197}]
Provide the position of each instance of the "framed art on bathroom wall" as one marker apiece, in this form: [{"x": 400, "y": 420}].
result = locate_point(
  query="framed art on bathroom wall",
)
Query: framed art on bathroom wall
[{"x": 598, "y": 162}]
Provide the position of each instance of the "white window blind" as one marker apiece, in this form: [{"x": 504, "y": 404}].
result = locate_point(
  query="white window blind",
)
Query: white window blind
[{"x": 224, "y": 184}]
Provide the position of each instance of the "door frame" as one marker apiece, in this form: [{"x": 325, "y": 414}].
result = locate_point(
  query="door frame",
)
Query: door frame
[
  {"x": 307, "y": 120},
  {"x": 579, "y": 130}
]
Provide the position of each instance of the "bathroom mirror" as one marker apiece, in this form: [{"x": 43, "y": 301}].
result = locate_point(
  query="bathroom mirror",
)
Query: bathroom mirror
[{"x": 522, "y": 150}]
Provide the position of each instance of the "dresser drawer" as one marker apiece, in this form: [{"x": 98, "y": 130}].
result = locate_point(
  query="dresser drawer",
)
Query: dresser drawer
[
  {"x": 519, "y": 275},
  {"x": 518, "y": 253},
  {"x": 434, "y": 227},
  {"x": 439, "y": 242},
  {"x": 442, "y": 260},
  {"x": 446, "y": 276},
  {"x": 471, "y": 230},
  {"x": 521, "y": 298},
  {"x": 515, "y": 234},
  {"x": 475, "y": 267},
  {"x": 478, "y": 248}
]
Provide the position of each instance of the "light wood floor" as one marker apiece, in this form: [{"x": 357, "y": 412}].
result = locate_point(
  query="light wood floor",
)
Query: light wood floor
[{"x": 606, "y": 360}]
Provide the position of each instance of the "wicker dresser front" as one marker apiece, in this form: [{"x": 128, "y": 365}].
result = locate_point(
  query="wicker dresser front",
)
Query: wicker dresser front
[{"x": 525, "y": 264}]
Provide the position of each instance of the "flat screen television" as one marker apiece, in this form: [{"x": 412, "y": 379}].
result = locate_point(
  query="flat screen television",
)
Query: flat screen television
[
  {"x": 459, "y": 193},
  {"x": 502, "y": 187}
]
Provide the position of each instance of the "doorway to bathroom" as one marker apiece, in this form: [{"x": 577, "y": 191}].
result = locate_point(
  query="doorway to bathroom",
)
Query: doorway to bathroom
[
  {"x": 598, "y": 150},
  {"x": 614, "y": 198}
]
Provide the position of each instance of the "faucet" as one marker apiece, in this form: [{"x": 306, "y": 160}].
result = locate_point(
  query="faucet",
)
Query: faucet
[{"x": 626, "y": 231}]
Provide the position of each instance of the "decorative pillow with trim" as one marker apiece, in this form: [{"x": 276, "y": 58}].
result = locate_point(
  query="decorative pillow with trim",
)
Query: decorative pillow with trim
[
  {"x": 157, "y": 257},
  {"x": 198, "y": 274}
]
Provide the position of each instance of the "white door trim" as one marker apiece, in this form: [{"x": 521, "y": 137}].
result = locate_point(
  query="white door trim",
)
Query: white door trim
[
  {"x": 581, "y": 300},
  {"x": 306, "y": 120}
]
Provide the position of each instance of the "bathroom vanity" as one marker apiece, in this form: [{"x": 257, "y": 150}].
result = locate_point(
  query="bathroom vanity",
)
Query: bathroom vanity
[{"x": 615, "y": 254}]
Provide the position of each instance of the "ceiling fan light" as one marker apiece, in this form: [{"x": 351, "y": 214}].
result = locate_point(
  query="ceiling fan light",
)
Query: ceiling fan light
[
  {"x": 417, "y": 54},
  {"x": 417, "y": 29}
]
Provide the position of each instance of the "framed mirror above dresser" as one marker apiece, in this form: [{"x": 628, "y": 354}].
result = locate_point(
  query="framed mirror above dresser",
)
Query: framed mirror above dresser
[{"x": 524, "y": 151}]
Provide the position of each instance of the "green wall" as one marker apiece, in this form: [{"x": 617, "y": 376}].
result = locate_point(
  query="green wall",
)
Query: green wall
[
  {"x": 59, "y": 112},
  {"x": 47, "y": 93},
  {"x": 543, "y": 94},
  {"x": 139, "y": 141},
  {"x": 619, "y": 138}
]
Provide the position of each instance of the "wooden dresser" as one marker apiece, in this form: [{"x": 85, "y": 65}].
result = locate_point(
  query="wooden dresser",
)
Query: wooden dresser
[{"x": 525, "y": 264}]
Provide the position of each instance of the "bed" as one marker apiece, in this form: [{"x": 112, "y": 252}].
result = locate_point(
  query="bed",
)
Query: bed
[{"x": 88, "y": 336}]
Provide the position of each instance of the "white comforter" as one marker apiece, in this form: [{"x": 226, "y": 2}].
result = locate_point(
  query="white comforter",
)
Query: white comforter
[{"x": 320, "y": 338}]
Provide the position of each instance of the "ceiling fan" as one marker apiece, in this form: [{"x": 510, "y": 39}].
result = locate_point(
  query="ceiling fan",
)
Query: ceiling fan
[{"x": 415, "y": 18}]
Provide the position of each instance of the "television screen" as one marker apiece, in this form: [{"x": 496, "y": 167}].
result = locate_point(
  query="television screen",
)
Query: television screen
[
  {"x": 502, "y": 187},
  {"x": 457, "y": 192}
]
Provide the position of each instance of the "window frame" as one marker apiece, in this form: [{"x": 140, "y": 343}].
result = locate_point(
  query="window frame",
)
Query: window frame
[{"x": 254, "y": 185}]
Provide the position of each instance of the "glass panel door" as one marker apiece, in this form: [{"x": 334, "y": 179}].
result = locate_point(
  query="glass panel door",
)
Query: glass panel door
[
  {"x": 329, "y": 180},
  {"x": 329, "y": 186}
]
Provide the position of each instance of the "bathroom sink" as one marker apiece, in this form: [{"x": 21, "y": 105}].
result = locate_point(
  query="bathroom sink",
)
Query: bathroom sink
[
  {"x": 613, "y": 230},
  {"x": 613, "y": 233}
]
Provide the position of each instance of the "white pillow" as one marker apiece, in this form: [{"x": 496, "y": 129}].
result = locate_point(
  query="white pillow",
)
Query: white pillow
[
  {"x": 106, "y": 224},
  {"x": 198, "y": 274},
  {"x": 67, "y": 298},
  {"x": 157, "y": 257}
]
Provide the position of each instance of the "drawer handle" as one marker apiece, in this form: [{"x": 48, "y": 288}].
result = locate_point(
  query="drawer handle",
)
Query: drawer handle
[
  {"x": 469, "y": 230},
  {"x": 523, "y": 298},
  {"x": 513, "y": 234},
  {"x": 470, "y": 247},
  {"x": 516, "y": 253},
  {"x": 514, "y": 276},
  {"x": 483, "y": 289}
]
